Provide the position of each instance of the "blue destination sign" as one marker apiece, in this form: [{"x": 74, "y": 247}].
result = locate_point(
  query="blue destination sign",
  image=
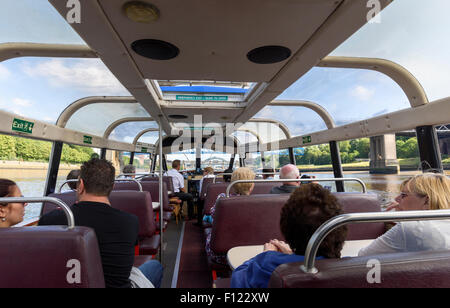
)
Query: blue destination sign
[{"x": 219, "y": 98}]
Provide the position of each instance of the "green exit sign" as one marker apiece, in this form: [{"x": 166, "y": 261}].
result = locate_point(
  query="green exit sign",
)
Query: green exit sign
[
  {"x": 307, "y": 139},
  {"x": 22, "y": 126},
  {"x": 87, "y": 139},
  {"x": 144, "y": 150}
]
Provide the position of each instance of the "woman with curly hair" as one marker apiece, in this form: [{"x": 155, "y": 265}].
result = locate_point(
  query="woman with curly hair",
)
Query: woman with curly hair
[{"x": 307, "y": 209}]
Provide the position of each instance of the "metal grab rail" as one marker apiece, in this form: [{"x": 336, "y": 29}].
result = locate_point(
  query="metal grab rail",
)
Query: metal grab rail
[
  {"x": 116, "y": 180},
  {"x": 137, "y": 175},
  {"x": 64, "y": 207},
  {"x": 131, "y": 180},
  {"x": 338, "y": 221},
  {"x": 297, "y": 180},
  {"x": 64, "y": 183}
]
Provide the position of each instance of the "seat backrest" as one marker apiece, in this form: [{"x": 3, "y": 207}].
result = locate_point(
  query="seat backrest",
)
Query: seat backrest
[
  {"x": 413, "y": 270},
  {"x": 215, "y": 189},
  {"x": 255, "y": 219},
  {"x": 206, "y": 182},
  {"x": 139, "y": 204},
  {"x": 166, "y": 179},
  {"x": 150, "y": 186},
  {"x": 50, "y": 257},
  {"x": 246, "y": 220},
  {"x": 361, "y": 203},
  {"x": 68, "y": 197}
]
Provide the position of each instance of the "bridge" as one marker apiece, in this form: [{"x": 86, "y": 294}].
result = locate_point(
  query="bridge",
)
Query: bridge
[{"x": 383, "y": 150}]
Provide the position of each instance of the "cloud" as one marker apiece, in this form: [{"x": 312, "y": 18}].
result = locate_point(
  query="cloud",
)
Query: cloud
[
  {"x": 22, "y": 102},
  {"x": 4, "y": 72},
  {"x": 89, "y": 76},
  {"x": 362, "y": 93}
]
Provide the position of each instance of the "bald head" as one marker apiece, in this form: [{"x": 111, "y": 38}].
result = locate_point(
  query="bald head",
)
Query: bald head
[{"x": 289, "y": 172}]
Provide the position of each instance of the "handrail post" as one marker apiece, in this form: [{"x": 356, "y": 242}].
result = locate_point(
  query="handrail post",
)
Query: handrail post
[
  {"x": 52, "y": 174},
  {"x": 296, "y": 180}
]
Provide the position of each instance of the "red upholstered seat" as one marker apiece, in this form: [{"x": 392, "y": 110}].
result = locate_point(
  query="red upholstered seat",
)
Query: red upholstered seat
[
  {"x": 139, "y": 204},
  {"x": 255, "y": 219},
  {"x": 69, "y": 198},
  {"x": 412, "y": 270},
  {"x": 43, "y": 257}
]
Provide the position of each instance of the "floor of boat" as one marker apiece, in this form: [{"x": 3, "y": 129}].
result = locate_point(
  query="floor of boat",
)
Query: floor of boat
[{"x": 184, "y": 257}]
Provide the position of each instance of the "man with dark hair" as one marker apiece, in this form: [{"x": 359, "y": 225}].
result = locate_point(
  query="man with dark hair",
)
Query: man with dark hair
[
  {"x": 178, "y": 186},
  {"x": 129, "y": 170},
  {"x": 73, "y": 175},
  {"x": 117, "y": 231}
]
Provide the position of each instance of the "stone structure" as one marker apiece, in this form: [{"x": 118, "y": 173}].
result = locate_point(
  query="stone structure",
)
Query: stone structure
[{"x": 383, "y": 155}]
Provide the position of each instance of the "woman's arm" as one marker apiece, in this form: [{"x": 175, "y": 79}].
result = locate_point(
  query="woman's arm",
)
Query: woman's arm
[{"x": 390, "y": 242}]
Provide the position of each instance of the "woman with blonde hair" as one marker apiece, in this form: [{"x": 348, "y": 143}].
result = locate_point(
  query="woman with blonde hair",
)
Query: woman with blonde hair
[
  {"x": 241, "y": 189},
  {"x": 428, "y": 191}
]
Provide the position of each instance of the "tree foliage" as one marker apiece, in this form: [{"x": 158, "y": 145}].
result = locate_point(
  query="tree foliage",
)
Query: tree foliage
[{"x": 22, "y": 149}]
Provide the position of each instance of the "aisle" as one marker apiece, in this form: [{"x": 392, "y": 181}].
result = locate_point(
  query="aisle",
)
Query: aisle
[{"x": 193, "y": 265}]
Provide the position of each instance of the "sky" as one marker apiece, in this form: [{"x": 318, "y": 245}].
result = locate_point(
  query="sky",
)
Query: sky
[{"x": 413, "y": 33}]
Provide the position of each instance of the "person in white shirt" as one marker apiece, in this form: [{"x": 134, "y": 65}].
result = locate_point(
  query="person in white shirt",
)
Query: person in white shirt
[
  {"x": 428, "y": 191},
  {"x": 178, "y": 186}
]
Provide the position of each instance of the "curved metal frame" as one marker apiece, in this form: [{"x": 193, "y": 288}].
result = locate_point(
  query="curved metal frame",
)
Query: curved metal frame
[
  {"x": 136, "y": 139},
  {"x": 15, "y": 50},
  {"x": 407, "y": 81},
  {"x": 338, "y": 221},
  {"x": 321, "y": 111},
  {"x": 70, "y": 110},
  {"x": 64, "y": 207},
  {"x": 283, "y": 127},
  {"x": 297, "y": 180},
  {"x": 113, "y": 126},
  {"x": 116, "y": 180}
]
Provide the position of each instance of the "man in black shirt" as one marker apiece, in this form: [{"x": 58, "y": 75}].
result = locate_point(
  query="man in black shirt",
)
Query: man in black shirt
[{"x": 117, "y": 231}]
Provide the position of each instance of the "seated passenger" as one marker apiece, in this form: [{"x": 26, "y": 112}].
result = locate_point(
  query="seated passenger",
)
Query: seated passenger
[
  {"x": 306, "y": 210},
  {"x": 207, "y": 173},
  {"x": 288, "y": 172},
  {"x": 10, "y": 213},
  {"x": 73, "y": 175},
  {"x": 241, "y": 189},
  {"x": 178, "y": 186},
  {"x": 227, "y": 177},
  {"x": 129, "y": 171},
  {"x": 428, "y": 191},
  {"x": 268, "y": 176},
  {"x": 117, "y": 231}
]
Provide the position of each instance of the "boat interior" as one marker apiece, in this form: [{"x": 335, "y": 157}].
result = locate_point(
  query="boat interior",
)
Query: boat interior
[{"x": 200, "y": 75}]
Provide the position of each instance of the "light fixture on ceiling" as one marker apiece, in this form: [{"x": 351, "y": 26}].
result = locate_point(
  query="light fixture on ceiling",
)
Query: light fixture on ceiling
[
  {"x": 142, "y": 12},
  {"x": 269, "y": 54},
  {"x": 178, "y": 116}
]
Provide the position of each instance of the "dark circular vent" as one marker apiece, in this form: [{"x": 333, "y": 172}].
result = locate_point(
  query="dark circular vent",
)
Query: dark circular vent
[
  {"x": 269, "y": 54},
  {"x": 155, "y": 49},
  {"x": 177, "y": 116}
]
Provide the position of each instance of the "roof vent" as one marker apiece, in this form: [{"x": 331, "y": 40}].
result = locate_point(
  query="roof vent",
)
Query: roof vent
[
  {"x": 177, "y": 116},
  {"x": 269, "y": 54},
  {"x": 155, "y": 49}
]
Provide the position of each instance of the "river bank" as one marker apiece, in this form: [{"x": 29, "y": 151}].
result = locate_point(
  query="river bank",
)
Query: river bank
[{"x": 22, "y": 169}]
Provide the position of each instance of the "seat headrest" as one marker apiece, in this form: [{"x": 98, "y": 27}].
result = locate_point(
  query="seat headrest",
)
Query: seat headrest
[
  {"x": 69, "y": 198},
  {"x": 50, "y": 257},
  {"x": 413, "y": 270}
]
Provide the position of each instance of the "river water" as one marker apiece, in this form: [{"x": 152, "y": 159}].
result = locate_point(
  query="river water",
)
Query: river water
[{"x": 32, "y": 184}]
